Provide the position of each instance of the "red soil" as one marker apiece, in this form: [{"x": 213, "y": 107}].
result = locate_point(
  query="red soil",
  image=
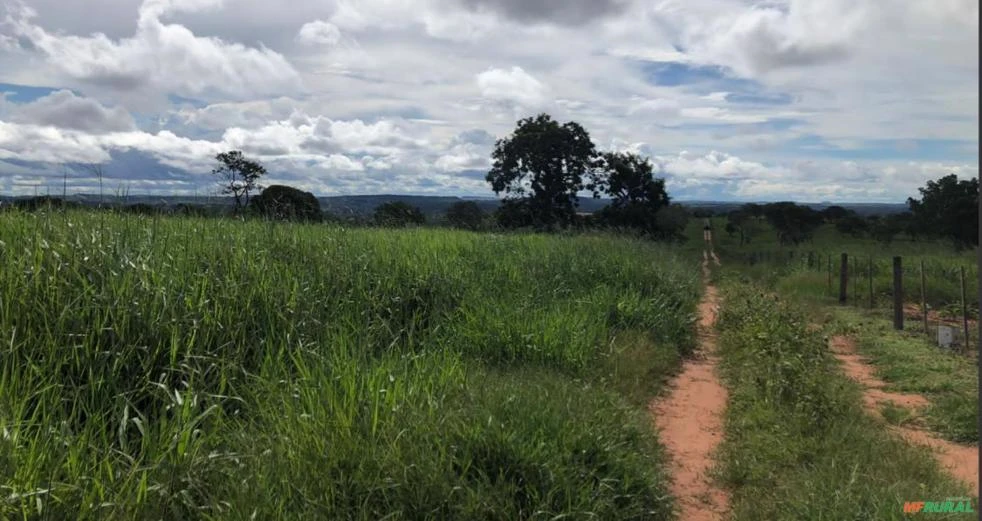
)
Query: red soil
[
  {"x": 690, "y": 423},
  {"x": 960, "y": 460}
]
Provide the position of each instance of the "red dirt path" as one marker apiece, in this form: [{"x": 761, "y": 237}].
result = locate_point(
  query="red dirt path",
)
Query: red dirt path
[
  {"x": 690, "y": 423},
  {"x": 960, "y": 460}
]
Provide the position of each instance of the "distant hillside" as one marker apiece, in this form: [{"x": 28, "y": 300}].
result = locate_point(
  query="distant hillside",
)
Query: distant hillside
[
  {"x": 433, "y": 206},
  {"x": 863, "y": 209},
  {"x": 362, "y": 205}
]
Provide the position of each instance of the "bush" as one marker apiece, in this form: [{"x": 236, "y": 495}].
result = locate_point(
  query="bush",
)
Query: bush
[
  {"x": 465, "y": 214},
  {"x": 143, "y": 209},
  {"x": 514, "y": 213},
  {"x": 42, "y": 202},
  {"x": 398, "y": 214},
  {"x": 285, "y": 203}
]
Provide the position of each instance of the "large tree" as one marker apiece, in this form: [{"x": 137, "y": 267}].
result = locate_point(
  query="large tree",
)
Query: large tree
[
  {"x": 545, "y": 165},
  {"x": 744, "y": 222},
  {"x": 636, "y": 195},
  {"x": 238, "y": 176},
  {"x": 794, "y": 223},
  {"x": 948, "y": 208}
]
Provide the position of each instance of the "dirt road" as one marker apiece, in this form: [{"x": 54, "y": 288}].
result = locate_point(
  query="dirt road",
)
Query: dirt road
[
  {"x": 690, "y": 419},
  {"x": 960, "y": 460}
]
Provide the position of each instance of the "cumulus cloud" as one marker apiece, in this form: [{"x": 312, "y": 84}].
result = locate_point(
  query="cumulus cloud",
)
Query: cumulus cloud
[
  {"x": 763, "y": 39},
  {"x": 319, "y": 32},
  {"x": 248, "y": 114},
  {"x": 378, "y": 95},
  {"x": 512, "y": 85},
  {"x": 160, "y": 57},
  {"x": 63, "y": 109}
]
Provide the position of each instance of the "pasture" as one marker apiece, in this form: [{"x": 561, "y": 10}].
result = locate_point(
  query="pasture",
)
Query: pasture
[{"x": 187, "y": 368}]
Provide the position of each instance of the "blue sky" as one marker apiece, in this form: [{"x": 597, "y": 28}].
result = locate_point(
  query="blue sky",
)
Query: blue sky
[{"x": 845, "y": 100}]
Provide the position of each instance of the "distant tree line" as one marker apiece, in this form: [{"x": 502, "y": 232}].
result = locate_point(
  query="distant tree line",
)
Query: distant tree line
[{"x": 948, "y": 209}]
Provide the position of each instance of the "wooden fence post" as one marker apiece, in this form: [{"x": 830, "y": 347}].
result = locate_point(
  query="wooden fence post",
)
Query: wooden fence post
[
  {"x": 843, "y": 278},
  {"x": 898, "y": 294},
  {"x": 964, "y": 311},
  {"x": 927, "y": 331}
]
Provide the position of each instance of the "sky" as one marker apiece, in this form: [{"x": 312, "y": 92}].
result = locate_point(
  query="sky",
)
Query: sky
[{"x": 732, "y": 100}]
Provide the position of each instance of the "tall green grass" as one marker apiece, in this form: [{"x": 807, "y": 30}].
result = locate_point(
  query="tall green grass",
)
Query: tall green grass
[
  {"x": 803, "y": 270},
  {"x": 184, "y": 368},
  {"x": 798, "y": 445},
  {"x": 909, "y": 362}
]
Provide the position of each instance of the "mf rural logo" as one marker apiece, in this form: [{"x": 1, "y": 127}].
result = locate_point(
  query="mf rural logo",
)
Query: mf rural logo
[{"x": 947, "y": 506}]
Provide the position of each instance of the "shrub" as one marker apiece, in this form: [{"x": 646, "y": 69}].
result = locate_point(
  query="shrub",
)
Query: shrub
[
  {"x": 398, "y": 214},
  {"x": 285, "y": 203},
  {"x": 465, "y": 214}
]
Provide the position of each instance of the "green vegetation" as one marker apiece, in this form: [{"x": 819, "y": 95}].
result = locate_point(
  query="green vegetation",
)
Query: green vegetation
[
  {"x": 798, "y": 445},
  {"x": 238, "y": 176},
  {"x": 949, "y": 208},
  {"x": 909, "y": 362},
  {"x": 397, "y": 214},
  {"x": 466, "y": 215},
  {"x": 803, "y": 271},
  {"x": 544, "y": 166},
  {"x": 188, "y": 368},
  {"x": 285, "y": 203}
]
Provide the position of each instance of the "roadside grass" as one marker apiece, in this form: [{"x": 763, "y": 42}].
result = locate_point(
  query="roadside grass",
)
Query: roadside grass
[
  {"x": 196, "y": 369},
  {"x": 909, "y": 362},
  {"x": 906, "y": 360},
  {"x": 897, "y": 415},
  {"x": 798, "y": 445},
  {"x": 766, "y": 260}
]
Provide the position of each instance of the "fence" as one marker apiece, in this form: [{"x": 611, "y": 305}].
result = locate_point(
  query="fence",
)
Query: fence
[{"x": 931, "y": 291}]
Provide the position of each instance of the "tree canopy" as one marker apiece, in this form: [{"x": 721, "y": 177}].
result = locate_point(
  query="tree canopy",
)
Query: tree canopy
[
  {"x": 637, "y": 197},
  {"x": 286, "y": 203},
  {"x": 948, "y": 208},
  {"x": 794, "y": 223},
  {"x": 546, "y": 165}
]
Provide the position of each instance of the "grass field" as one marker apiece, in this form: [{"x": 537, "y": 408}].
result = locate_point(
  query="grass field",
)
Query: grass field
[
  {"x": 182, "y": 368},
  {"x": 788, "y": 267},
  {"x": 909, "y": 362},
  {"x": 798, "y": 444}
]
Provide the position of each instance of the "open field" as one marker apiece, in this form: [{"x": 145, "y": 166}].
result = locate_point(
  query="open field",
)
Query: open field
[
  {"x": 185, "y": 368},
  {"x": 799, "y": 441},
  {"x": 799, "y": 445},
  {"x": 908, "y": 362},
  {"x": 803, "y": 271},
  {"x": 180, "y": 368}
]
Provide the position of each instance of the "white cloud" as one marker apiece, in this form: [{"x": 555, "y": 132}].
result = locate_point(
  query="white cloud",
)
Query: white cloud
[
  {"x": 389, "y": 87},
  {"x": 319, "y": 32},
  {"x": 665, "y": 108},
  {"x": 63, "y": 109},
  {"x": 249, "y": 114},
  {"x": 161, "y": 58},
  {"x": 48, "y": 144},
  {"x": 513, "y": 85}
]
